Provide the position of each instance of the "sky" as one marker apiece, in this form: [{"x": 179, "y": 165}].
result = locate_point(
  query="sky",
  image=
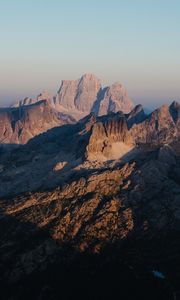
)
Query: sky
[{"x": 135, "y": 42}]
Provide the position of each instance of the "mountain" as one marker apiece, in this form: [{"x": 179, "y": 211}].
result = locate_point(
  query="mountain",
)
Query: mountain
[
  {"x": 109, "y": 138},
  {"x": 45, "y": 95},
  {"x": 136, "y": 116},
  {"x": 174, "y": 110},
  {"x": 161, "y": 126},
  {"x": 115, "y": 99},
  {"x": 74, "y": 100},
  {"x": 19, "y": 124},
  {"x": 78, "y": 98},
  {"x": 89, "y": 208},
  {"x": 91, "y": 142},
  {"x": 98, "y": 225}
]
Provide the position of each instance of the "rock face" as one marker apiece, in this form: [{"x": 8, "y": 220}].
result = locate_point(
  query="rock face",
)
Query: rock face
[
  {"x": 82, "y": 96},
  {"x": 160, "y": 127},
  {"x": 78, "y": 98},
  {"x": 93, "y": 140},
  {"x": 18, "y": 125},
  {"x": 74, "y": 100},
  {"x": 69, "y": 218},
  {"x": 174, "y": 110},
  {"x": 109, "y": 139},
  {"x": 87, "y": 93},
  {"x": 120, "y": 206},
  {"x": 115, "y": 99},
  {"x": 136, "y": 116},
  {"x": 45, "y": 95}
]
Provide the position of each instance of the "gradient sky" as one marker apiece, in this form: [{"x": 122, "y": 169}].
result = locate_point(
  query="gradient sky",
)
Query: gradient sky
[{"x": 136, "y": 42}]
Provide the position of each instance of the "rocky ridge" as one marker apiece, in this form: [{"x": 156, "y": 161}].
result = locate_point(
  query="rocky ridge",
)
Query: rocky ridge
[
  {"x": 159, "y": 127},
  {"x": 88, "y": 210},
  {"x": 18, "y": 125},
  {"x": 90, "y": 205},
  {"x": 78, "y": 98}
]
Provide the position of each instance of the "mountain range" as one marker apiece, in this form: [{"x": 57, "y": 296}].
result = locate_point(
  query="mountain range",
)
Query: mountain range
[{"x": 89, "y": 196}]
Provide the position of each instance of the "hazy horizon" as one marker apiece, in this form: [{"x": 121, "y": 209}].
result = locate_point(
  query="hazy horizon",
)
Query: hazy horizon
[{"x": 136, "y": 44}]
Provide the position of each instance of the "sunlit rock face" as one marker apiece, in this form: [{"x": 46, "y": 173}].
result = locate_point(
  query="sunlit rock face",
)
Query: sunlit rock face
[
  {"x": 161, "y": 126},
  {"x": 73, "y": 194},
  {"x": 18, "y": 125},
  {"x": 136, "y": 116},
  {"x": 109, "y": 139},
  {"x": 78, "y": 98},
  {"x": 82, "y": 96},
  {"x": 45, "y": 95},
  {"x": 115, "y": 99}
]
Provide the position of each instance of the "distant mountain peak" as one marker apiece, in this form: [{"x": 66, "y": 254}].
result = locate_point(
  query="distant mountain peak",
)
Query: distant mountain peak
[{"x": 79, "y": 97}]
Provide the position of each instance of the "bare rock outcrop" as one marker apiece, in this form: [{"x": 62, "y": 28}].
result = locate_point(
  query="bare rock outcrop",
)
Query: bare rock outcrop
[
  {"x": 136, "y": 116},
  {"x": 88, "y": 89},
  {"x": 45, "y": 95},
  {"x": 109, "y": 139},
  {"x": 60, "y": 211},
  {"x": 115, "y": 99},
  {"x": 157, "y": 129},
  {"x": 18, "y": 125},
  {"x": 78, "y": 98}
]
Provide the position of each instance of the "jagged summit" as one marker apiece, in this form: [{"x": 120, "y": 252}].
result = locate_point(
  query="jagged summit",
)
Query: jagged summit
[
  {"x": 115, "y": 99},
  {"x": 19, "y": 124},
  {"x": 85, "y": 188},
  {"x": 78, "y": 98},
  {"x": 174, "y": 110},
  {"x": 136, "y": 116}
]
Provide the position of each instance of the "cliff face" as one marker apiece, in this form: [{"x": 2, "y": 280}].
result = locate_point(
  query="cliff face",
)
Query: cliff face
[
  {"x": 18, "y": 125},
  {"x": 136, "y": 116},
  {"x": 174, "y": 110},
  {"x": 86, "y": 95},
  {"x": 72, "y": 209},
  {"x": 45, "y": 95},
  {"x": 158, "y": 128},
  {"x": 88, "y": 89},
  {"x": 109, "y": 139},
  {"x": 78, "y": 98},
  {"x": 115, "y": 99}
]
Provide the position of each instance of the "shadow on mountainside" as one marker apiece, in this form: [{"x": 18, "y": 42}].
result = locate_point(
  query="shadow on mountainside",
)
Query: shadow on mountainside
[
  {"x": 34, "y": 266},
  {"x": 100, "y": 97},
  {"x": 48, "y": 160}
]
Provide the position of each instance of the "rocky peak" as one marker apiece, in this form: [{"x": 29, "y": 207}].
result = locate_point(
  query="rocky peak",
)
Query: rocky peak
[
  {"x": 136, "y": 116},
  {"x": 86, "y": 94},
  {"x": 115, "y": 99},
  {"x": 18, "y": 125},
  {"x": 109, "y": 139},
  {"x": 78, "y": 98},
  {"x": 67, "y": 94},
  {"x": 157, "y": 129},
  {"x": 174, "y": 110},
  {"x": 88, "y": 89},
  {"x": 44, "y": 95}
]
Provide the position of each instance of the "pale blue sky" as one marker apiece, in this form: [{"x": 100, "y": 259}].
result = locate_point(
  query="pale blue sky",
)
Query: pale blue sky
[{"x": 136, "y": 42}]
